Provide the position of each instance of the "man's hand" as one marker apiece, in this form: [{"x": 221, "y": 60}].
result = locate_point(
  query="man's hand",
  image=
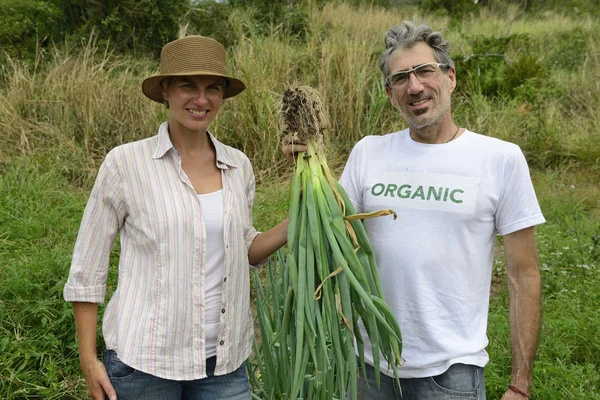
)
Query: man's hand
[
  {"x": 97, "y": 381},
  {"x": 290, "y": 146}
]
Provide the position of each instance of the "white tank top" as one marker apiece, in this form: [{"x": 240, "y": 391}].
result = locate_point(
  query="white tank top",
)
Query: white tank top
[{"x": 211, "y": 205}]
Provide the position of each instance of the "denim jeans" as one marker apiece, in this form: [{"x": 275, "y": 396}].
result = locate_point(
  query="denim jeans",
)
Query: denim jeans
[
  {"x": 131, "y": 384},
  {"x": 459, "y": 382}
]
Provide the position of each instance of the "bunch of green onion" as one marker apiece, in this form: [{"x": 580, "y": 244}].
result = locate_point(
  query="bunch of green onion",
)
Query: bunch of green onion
[{"x": 330, "y": 281}]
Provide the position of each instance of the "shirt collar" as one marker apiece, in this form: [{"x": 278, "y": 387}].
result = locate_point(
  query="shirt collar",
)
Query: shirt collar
[
  {"x": 164, "y": 141},
  {"x": 224, "y": 161}
]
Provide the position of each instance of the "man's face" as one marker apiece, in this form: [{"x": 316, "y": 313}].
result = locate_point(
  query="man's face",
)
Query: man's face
[{"x": 421, "y": 102}]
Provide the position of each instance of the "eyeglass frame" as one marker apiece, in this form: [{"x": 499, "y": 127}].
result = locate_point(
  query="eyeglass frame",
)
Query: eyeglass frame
[{"x": 413, "y": 71}]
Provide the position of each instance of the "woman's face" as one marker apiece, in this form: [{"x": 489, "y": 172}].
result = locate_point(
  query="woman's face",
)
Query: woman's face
[{"x": 194, "y": 101}]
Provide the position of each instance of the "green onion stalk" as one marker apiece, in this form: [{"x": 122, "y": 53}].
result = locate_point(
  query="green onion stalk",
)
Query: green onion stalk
[{"x": 329, "y": 283}]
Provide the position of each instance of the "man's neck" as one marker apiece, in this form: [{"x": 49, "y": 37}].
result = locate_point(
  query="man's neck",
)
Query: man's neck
[{"x": 435, "y": 134}]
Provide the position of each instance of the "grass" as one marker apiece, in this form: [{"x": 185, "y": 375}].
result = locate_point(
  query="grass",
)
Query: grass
[
  {"x": 567, "y": 363},
  {"x": 40, "y": 217},
  {"x": 58, "y": 120}
]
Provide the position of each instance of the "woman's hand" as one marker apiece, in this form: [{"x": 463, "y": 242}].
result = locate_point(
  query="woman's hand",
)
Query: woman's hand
[
  {"x": 290, "y": 146},
  {"x": 97, "y": 381}
]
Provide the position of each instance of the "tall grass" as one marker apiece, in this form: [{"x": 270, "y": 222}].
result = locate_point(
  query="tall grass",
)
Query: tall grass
[
  {"x": 80, "y": 102},
  {"x": 74, "y": 107}
]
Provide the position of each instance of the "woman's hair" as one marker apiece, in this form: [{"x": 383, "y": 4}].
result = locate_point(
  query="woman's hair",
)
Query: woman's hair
[
  {"x": 165, "y": 85},
  {"x": 406, "y": 35}
]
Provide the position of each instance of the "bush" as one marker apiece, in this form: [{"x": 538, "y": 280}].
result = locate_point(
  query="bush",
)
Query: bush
[
  {"x": 27, "y": 24},
  {"x": 210, "y": 18},
  {"x": 572, "y": 7},
  {"x": 142, "y": 25},
  {"x": 453, "y": 8},
  {"x": 569, "y": 51},
  {"x": 480, "y": 71},
  {"x": 291, "y": 18},
  {"x": 490, "y": 72}
]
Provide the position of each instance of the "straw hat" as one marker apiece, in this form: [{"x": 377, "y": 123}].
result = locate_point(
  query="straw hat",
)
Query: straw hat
[{"x": 191, "y": 55}]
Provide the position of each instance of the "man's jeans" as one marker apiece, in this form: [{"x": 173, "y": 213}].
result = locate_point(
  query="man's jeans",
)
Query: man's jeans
[
  {"x": 132, "y": 384},
  {"x": 460, "y": 381}
]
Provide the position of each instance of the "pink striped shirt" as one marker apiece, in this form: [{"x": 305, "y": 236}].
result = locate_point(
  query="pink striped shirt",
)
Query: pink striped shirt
[{"x": 155, "y": 318}]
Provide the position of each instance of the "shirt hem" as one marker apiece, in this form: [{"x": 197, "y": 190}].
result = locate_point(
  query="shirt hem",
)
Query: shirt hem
[{"x": 437, "y": 369}]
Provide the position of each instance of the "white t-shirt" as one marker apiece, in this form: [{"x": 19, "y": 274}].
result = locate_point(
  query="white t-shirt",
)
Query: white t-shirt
[
  {"x": 212, "y": 212},
  {"x": 435, "y": 260}
]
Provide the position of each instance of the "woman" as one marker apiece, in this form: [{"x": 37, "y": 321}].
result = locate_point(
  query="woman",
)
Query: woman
[{"x": 179, "y": 323}]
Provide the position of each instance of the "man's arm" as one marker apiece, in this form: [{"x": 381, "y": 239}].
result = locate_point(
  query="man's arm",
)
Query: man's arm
[{"x": 524, "y": 288}]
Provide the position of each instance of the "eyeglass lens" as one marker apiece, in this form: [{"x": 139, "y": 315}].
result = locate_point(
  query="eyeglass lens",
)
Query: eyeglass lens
[{"x": 422, "y": 73}]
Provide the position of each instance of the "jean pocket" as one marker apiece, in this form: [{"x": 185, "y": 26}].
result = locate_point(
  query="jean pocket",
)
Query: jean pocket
[
  {"x": 459, "y": 380},
  {"x": 116, "y": 368}
]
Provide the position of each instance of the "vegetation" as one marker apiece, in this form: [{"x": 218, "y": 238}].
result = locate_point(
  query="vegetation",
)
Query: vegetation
[{"x": 529, "y": 76}]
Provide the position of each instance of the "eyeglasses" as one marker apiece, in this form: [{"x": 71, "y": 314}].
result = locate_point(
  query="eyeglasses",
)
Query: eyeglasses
[{"x": 422, "y": 72}]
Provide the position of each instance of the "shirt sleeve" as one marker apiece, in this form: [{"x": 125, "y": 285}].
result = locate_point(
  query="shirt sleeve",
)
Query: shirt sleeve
[
  {"x": 518, "y": 207},
  {"x": 251, "y": 233},
  {"x": 103, "y": 216},
  {"x": 351, "y": 177}
]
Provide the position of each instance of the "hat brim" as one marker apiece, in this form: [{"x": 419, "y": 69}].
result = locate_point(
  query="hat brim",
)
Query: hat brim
[{"x": 151, "y": 85}]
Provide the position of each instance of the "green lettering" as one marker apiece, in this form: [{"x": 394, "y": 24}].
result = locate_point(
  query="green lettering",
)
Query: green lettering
[
  {"x": 390, "y": 189},
  {"x": 455, "y": 200},
  {"x": 432, "y": 192},
  {"x": 377, "y": 186},
  {"x": 406, "y": 193},
  {"x": 446, "y": 194},
  {"x": 419, "y": 193}
]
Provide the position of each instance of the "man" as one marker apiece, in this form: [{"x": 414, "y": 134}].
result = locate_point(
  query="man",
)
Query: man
[{"x": 453, "y": 190}]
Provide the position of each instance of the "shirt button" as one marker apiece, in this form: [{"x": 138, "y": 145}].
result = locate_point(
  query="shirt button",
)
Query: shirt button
[
  {"x": 225, "y": 279},
  {"x": 223, "y": 311},
  {"x": 222, "y": 342}
]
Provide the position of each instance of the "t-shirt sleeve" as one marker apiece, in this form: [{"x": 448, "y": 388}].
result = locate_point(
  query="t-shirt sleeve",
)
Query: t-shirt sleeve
[
  {"x": 518, "y": 206},
  {"x": 351, "y": 177}
]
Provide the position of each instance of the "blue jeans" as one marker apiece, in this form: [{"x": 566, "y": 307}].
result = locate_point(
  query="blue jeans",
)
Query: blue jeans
[
  {"x": 132, "y": 384},
  {"x": 460, "y": 381}
]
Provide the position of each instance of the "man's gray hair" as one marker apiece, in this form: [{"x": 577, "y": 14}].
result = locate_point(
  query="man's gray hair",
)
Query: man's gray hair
[{"x": 406, "y": 35}]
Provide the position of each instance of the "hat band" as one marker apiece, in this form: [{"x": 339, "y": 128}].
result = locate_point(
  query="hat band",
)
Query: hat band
[{"x": 180, "y": 69}]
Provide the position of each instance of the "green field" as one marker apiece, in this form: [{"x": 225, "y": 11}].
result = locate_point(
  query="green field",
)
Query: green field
[{"x": 530, "y": 78}]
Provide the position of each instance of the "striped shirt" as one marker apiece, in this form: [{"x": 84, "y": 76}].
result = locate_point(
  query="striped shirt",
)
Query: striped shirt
[{"x": 155, "y": 318}]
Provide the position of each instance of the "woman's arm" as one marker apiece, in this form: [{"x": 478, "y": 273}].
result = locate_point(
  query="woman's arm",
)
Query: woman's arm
[
  {"x": 96, "y": 378},
  {"x": 268, "y": 242}
]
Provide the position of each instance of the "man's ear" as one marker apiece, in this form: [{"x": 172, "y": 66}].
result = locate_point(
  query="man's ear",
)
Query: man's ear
[
  {"x": 388, "y": 91},
  {"x": 452, "y": 77}
]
